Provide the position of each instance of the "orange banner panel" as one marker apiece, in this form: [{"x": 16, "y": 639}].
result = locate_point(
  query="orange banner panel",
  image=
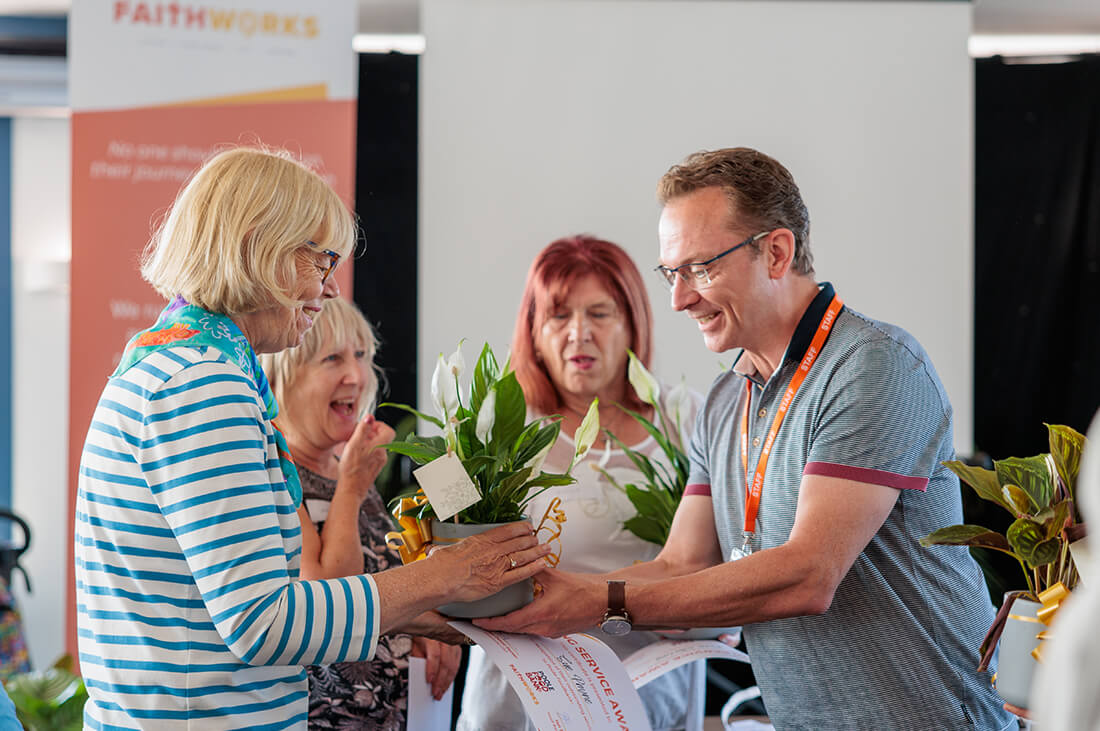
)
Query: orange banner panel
[{"x": 127, "y": 167}]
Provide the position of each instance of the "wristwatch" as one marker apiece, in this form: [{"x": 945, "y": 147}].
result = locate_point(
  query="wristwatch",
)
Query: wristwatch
[{"x": 616, "y": 620}]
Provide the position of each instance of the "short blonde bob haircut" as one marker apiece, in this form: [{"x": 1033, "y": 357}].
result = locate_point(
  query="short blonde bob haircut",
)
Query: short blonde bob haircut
[
  {"x": 228, "y": 244},
  {"x": 339, "y": 323}
]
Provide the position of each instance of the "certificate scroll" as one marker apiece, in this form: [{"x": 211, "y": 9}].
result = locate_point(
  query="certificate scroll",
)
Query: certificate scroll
[{"x": 575, "y": 683}]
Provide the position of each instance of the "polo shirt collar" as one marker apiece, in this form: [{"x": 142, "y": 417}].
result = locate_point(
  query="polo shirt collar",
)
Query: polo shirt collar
[
  {"x": 803, "y": 333},
  {"x": 807, "y": 326}
]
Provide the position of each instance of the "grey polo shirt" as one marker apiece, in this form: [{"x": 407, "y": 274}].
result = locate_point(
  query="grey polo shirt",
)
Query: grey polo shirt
[{"x": 898, "y": 647}]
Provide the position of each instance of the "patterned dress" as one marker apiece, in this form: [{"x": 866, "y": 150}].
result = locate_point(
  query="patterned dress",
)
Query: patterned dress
[{"x": 359, "y": 695}]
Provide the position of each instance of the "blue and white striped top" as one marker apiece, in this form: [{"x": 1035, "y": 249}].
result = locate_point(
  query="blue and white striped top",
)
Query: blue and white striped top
[{"x": 189, "y": 610}]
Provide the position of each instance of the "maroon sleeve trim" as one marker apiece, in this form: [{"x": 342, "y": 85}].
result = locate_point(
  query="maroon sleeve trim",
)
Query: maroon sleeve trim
[
  {"x": 698, "y": 488},
  {"x": 863, "y": 474}
]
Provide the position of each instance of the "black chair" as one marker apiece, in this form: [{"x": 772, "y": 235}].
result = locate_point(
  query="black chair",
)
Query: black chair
[{"x": 10, "y": 552}]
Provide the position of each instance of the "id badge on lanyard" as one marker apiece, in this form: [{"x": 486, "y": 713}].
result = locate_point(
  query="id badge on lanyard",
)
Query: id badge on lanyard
[
  {"x": 754, "y": 488},
  {"x": 745, "y": 548}
]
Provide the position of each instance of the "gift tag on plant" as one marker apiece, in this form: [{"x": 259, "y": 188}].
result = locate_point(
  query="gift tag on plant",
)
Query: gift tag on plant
[{"x": 447, "y": 485}]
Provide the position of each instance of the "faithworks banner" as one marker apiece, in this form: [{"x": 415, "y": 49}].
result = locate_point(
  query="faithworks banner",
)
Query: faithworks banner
[{"x": 156, "y": 87}]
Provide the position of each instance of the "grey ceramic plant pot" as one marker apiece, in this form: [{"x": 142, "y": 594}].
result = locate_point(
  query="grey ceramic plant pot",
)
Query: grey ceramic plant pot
[
  {"x": 508, "y": 599},
  {"x": 1015, "y": 665}
]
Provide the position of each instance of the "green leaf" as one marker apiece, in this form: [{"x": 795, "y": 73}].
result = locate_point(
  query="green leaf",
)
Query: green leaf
[
  {"x": 522, "y": 440},
  {"x": 1018, "y": 499},
  {"x": 640, "y": 461},
  {"x": 411, "y": 410},
  {"x": 658, "y": 506},
  {"x": 466, "y": 432},
  {"x": 536, "y": 443},
  {"x": 425, "y": 510},
  {"x": 967, "y": 535},
  {"x": 1053, "y": 519},
  {"x": 435, "y": 442},
  {"x": 645, "y": 502},
  {"x": 607, "y": 476},
  {"x": 982, "y": 481},
  {"x": 474, "y": 465},
  {"x": 1028, "y": 540},
  {"x": 52, "y": 699},
  {"x": 656, "y": 433},
  {"x": 1031, "y": 474},
  {"x": 511, "y": 411},
  {"x": 551, "y": 479},
  {"x": 70, "y": 714},
  {"x": 419, "y": 453},
  {"x": 486, "y": 373},
  {"x": 509, "y": 489},
  {"x": 647, "y": 529},
  {"x": 1066, "y": 446}
]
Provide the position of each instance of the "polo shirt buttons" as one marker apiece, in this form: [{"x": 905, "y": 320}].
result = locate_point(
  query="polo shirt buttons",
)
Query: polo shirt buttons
[
  {"x": 756, "y": 441},
  {"x": 762, "y": 413}
]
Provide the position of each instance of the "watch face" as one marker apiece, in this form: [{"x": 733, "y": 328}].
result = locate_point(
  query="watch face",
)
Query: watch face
[{"x": 615, "y": 626}]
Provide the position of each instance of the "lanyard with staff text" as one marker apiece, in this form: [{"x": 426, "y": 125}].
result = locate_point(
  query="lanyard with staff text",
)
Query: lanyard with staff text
[{"x": 754, "y": 488}]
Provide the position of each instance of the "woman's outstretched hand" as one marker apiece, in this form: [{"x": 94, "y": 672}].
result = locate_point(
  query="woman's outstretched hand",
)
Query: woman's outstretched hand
[
  {"x": 481, "y": 565},
  {"x": 471, "y": 569}
]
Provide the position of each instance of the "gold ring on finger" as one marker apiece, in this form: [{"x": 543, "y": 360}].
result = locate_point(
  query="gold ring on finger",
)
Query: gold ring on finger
[{"x": 512, "y": 561}]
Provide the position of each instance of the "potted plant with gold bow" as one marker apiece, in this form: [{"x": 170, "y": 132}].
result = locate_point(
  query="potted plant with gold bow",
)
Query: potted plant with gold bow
[
  {"x": 488, "y": 462},
  {"x": 1039, "y": 492}
]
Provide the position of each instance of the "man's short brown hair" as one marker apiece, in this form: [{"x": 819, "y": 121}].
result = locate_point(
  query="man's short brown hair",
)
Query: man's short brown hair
[{"x": 762, "y": 193}]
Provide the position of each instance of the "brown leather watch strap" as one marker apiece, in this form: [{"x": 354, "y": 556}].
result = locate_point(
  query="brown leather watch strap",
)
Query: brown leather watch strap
[{"x": 616, "y": 597}]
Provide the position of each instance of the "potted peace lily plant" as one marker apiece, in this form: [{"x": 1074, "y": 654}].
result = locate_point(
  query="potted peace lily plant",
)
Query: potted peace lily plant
[
  {"x": 657, "y": 498},
  {"x": 1040, "y": 494},
  {"x": 485, "y": 430}
]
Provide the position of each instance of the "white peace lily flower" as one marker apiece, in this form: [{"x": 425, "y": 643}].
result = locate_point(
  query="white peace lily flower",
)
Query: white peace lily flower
[
  {"x": 535, "y": 463},
  {"x": 486, "y": 415},
  {"x": 606, "y": 456},
  {"x": 444, "y": 389},
  {"x": 645, "y": 385},
  {"x": 456, "y": 363},
  {"x": 678, "y": 402},
  {"x": 450, "y": 435},
  {"x": 586, "y": 433}
]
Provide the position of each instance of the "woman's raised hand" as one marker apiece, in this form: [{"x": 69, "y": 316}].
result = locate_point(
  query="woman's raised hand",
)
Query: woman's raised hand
[
  {"x": 363, "y": 458},
  {"x": 481, "y": 565}
]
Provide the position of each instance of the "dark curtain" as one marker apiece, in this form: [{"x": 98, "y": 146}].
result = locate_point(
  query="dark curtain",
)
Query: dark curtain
[
  {"x": 386, "y": 202},
  {"x": 1037, "y": 249}
]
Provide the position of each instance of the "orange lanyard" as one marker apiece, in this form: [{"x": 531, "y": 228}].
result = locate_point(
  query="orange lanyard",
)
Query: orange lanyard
[{"x": 753, "y": 489}]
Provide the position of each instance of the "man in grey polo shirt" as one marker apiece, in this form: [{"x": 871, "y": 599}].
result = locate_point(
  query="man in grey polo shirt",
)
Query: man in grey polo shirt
[{"x": 815, "y": 468}]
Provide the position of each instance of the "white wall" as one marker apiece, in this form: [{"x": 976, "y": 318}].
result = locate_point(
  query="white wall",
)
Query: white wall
[
  {"x": 40, "y": 374},
  {"x": 542, "y": 118}
]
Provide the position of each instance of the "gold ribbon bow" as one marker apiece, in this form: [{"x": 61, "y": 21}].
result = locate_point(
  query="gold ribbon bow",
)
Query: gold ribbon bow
[
  {"x": 411, "y": 543},
  {"x": 1051, "y": 599}
]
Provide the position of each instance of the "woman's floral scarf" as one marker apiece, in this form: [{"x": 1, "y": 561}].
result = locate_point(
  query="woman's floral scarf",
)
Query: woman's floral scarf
[{"x": 182, "y": 323}]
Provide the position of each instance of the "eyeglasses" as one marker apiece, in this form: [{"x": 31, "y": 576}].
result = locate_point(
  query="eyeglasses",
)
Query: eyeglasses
[
  {"x": 333, "y": 260},
  {"x": 696, "y": 274}
]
